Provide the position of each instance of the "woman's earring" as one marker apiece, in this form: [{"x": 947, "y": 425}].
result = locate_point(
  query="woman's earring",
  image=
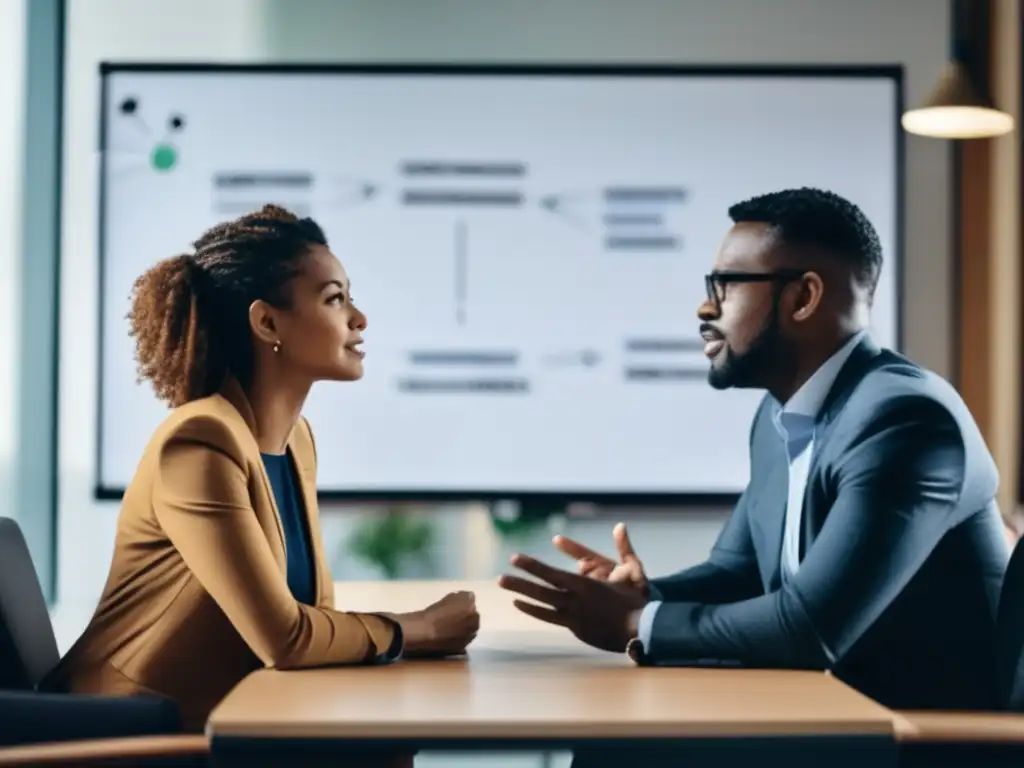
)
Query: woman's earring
[{"x": 277, "y": 346}]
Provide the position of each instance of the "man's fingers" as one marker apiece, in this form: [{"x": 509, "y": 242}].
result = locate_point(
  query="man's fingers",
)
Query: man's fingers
[
  {"x": 574, "y": 549},
  {"x": 540, "y": 612},
  {"x": 622, "y": 542},
  {"x": 553, "y": 576},
  {"x": 532, "y": 590},
  {"x": 598, "y": 570}
]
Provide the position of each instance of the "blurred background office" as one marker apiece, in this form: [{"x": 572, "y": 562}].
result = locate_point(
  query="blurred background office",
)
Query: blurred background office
[{"x": 948, "y": 210}]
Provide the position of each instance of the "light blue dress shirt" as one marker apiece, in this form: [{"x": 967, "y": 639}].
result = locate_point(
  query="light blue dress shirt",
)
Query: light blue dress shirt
[{"x": 795, "y": 424}]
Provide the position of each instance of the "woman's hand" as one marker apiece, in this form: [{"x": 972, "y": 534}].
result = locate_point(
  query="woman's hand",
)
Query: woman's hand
[{"x": 444, "y": 628}]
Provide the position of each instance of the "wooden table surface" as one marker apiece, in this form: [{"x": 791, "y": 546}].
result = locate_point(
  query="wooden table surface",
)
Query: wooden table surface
[
  {"x": 524, "y": 679},
  {"x": 497, "y": 614},
  {"x": 960, "y": 727}
]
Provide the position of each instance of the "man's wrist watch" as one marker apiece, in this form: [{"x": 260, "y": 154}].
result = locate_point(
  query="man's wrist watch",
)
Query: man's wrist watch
[{"x": 636, "y": 652}]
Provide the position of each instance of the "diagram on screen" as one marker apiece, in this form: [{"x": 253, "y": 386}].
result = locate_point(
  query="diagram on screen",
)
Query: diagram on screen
[
  {"x": 529, "y": 244},
  {"x": 157, "y": 151}
]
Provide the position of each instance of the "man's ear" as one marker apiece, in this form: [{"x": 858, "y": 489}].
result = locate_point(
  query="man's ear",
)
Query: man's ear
[
  {"x": 263, "y": 322},
  {"x": 809, "y": 297}
]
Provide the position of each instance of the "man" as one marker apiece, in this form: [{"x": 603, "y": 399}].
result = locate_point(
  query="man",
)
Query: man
[{"x": 867, "y": 542}]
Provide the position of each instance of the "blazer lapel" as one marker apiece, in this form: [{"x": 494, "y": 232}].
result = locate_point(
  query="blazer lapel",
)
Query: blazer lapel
[
  {"x": 232, "y": 392},
  {"x": 307, "y": 482}
]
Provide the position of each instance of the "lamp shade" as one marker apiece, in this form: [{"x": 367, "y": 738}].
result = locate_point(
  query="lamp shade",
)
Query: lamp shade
[{"x": 957, "y": 109}]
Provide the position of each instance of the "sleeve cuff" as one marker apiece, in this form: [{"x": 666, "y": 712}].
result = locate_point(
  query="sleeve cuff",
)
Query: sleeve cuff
[
  {"x": 394, "y": 651},
  {"x": 647, "y": 623}
]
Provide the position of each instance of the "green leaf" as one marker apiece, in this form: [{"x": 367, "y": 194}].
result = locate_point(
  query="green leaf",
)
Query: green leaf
[{"x": 388, "y": 540}]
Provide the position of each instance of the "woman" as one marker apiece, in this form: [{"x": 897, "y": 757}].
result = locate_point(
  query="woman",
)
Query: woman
[{"x": 219, "y": 566}]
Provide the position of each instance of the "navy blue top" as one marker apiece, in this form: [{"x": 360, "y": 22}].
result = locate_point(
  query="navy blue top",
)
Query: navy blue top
[
  {"x": 301, "y": 568},
  {"x": 301, "y": 579}
]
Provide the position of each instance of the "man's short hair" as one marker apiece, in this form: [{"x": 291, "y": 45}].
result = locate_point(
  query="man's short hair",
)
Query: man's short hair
[{"x": 821, "y": 220}]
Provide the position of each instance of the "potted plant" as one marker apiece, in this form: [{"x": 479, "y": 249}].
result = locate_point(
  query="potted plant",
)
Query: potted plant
[
  {"x": 520, "y": 520},
  {"x": 390, "y": 539}
]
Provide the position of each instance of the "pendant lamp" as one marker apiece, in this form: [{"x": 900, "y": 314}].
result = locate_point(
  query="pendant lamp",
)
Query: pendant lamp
[{"x": 959, "y": 107}]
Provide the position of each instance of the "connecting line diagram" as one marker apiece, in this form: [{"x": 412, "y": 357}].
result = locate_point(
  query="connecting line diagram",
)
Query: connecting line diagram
[{"x": 633, "y": 217}]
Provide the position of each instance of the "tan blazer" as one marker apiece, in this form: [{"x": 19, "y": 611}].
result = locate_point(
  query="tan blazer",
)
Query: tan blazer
[{"x": 197, "y": 595}]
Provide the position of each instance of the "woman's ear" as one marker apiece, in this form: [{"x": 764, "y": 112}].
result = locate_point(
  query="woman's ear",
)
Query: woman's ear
[{"x": 263, "y": 322}]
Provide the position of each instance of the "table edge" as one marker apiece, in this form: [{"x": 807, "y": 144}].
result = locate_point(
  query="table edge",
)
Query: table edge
[{"x": 581, "y": 730}]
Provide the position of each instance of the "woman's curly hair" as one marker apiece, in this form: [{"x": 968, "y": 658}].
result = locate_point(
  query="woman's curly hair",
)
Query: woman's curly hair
[{"x": 190, "y": 313}]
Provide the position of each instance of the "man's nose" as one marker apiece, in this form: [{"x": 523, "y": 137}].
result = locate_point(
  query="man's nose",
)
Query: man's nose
[{"x": 707, "y": 310}]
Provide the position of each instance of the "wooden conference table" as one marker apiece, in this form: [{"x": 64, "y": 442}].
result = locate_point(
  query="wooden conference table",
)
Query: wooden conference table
[{"x": 529, "y": 686}]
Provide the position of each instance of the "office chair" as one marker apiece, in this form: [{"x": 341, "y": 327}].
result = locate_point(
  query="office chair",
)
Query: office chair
[
  {"x": 28, "y": 650},
  {"x": 1010, "y": 633},
  {"x": 937, "y": 739}
]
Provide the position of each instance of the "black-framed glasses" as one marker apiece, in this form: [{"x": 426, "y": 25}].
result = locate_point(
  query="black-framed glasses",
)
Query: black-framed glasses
[{"x": 715, "y": 282}]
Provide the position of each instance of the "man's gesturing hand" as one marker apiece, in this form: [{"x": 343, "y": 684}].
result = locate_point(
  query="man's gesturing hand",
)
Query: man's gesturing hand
[
  {"x": 628, "y": 573},
  {"x": 600, "y": 614}
]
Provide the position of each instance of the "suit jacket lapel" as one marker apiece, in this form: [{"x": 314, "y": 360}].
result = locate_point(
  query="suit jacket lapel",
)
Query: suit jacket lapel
[
  {"x": 857, "y": 365},
  {"x": 771, "y": 496},
  {"x": 861, "y": 359},
  {"x": 770, "y": 513},
  {"x": 768, "y": 492}
]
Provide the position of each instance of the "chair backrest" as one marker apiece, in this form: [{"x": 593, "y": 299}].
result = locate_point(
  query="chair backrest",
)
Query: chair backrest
[
  {"x": 1010, "y": 633},
  {"x": 28, "y": 647}
]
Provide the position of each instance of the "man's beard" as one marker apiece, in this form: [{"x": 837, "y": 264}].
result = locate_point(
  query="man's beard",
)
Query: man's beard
[{"x": 747, "y": 371}]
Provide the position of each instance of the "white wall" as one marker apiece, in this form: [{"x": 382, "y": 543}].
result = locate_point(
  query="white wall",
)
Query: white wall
[
  {"x": 12, "y": 134},
  {"x": 912, "y": 32}
]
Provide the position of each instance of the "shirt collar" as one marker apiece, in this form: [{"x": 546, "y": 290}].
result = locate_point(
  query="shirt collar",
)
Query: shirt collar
[
  {"x": 795, "y": 420},
  {"x": 807, "y": 400}
]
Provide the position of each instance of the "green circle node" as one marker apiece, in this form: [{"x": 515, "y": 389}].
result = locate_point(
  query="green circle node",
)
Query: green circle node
[{"x": 164, "y": 157}]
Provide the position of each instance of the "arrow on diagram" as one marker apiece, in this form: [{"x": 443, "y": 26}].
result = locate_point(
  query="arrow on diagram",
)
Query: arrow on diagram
[
  {"x": 587, "y": 358},
  {"x": 559, "y": 205}
]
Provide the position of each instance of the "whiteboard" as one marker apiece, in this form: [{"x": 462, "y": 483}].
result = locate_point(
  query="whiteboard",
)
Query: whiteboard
[{"x": 528, "y": 244}]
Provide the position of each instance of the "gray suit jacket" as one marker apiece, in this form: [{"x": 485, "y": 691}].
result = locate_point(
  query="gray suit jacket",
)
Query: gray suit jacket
[{"x": 902, "y": 549}]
